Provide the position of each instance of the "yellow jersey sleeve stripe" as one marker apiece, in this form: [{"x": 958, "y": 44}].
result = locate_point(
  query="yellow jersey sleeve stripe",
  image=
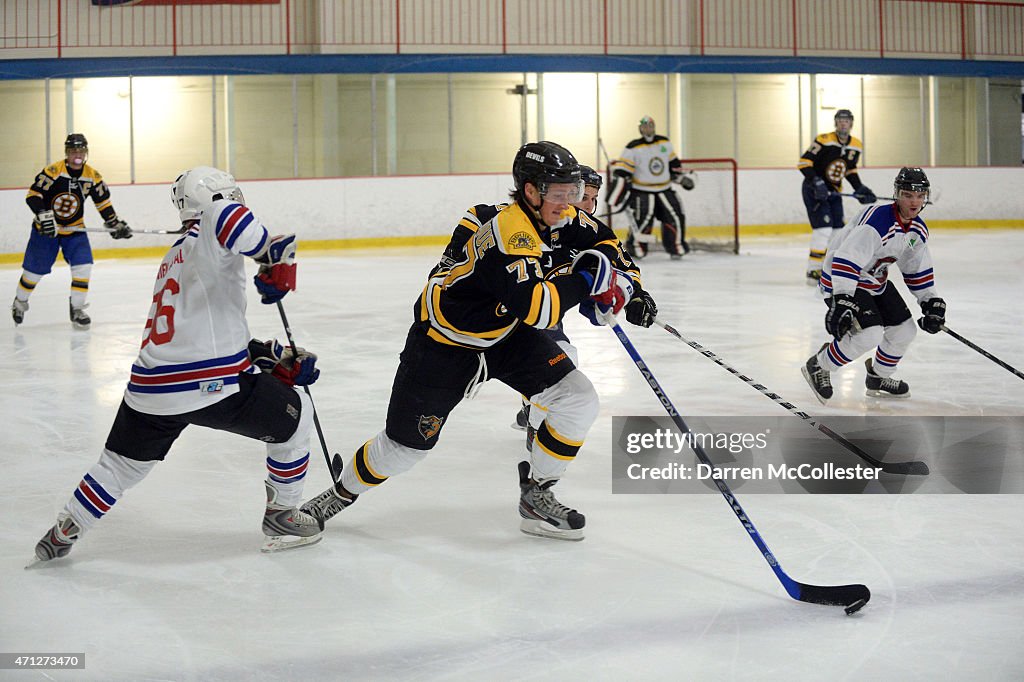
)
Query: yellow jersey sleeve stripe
[
  {"x": 555, "y": 308},
  {"x": 536, "y": 304}
]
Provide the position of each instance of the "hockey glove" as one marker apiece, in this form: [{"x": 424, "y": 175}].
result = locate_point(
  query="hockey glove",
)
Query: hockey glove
[
  {"x": 619, "y": 194},
  {"x": 118, "y": 228},
  {"x": 934, "y": 310},
  {"x": 819, "y": 188},
  {"x": 45, "y": 224},
  {"x": 864, "y": 195},
  {"x": 842, "y": 312},
  {"x": 276, "y": 276},
  {"x": 687, "y": 180},
  {"x": 641, "y": 309},
  {"x": 292, "y": 370}
]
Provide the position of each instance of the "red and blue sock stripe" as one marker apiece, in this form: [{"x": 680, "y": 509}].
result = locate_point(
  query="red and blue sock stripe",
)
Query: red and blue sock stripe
[{"x": 91, "y": 495}]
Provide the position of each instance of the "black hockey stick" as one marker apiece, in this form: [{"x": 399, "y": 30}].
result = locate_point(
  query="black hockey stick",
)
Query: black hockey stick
[
  {"x": 851, "y": 597},
  {"x": 979, "y": 349},
  {"x": 335, "y": 464},
  {"x": 134, "y": 231},
  {"x": 914, "y": 468}
]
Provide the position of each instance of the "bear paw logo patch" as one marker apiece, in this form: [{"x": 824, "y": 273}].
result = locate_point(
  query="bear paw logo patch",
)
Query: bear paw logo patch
[{"x": 429, "y": 426}]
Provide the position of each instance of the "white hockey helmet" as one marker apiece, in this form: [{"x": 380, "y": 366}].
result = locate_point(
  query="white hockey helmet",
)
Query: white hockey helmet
[{"x": 197, "y": 188}]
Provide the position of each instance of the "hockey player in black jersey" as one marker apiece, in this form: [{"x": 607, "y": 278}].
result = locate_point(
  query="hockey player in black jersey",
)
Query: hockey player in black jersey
[
  {"x": 830, "y": 158},
  {"x": 564, "y": 243},
  {"x": 57, "y": 199},
  {"x": 480, "y": 317}
]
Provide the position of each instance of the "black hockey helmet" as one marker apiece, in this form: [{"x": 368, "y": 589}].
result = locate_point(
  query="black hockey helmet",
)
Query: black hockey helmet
[
  {"x": 843, "y": 113},
  {"x": 591, "y": 178},
  {"x": 544, "y": 163},
  {"x": 912, "y": 180},
  {"x": 76, "y": 141}
]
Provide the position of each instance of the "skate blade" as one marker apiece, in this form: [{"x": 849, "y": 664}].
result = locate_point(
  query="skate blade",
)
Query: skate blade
[
  {"x": 517, "y": 427},
  {"x": 810, "y": 382},
  {"x": 539, "y": 529},
  {"x": 886, "y": 396},
  {"x": 281, "y": 543}
]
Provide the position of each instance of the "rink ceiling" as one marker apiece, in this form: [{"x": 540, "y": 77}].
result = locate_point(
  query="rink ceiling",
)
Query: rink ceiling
[{"x": 429, "y": 578}]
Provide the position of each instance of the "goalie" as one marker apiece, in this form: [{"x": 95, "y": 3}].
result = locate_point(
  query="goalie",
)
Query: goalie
[{"x": 643, "y": 182}]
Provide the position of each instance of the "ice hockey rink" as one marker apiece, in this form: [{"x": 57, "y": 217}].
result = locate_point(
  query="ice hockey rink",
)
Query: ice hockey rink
[{"x": 428, "y": 577}]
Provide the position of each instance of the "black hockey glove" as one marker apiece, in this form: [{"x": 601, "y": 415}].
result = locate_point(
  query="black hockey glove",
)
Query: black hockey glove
[
  {"x": 641, "y": 309},
  {"x": 934, "y": 310},
  {"x": 864, "y": 195},
  {"x": 842, "y": 312},
  {"x": 686, "y": 179},
  {"x": 819, "y": 188},
  {"x": 118, "y": 228},
  {"x": 45, "y": 224}
]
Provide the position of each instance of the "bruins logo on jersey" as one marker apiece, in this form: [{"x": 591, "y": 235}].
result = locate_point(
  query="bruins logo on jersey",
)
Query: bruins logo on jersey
[
  {"x": 656, "y": 165},
  {"x": 429, "y": 426},
  {"x": 836, "y": 171},
  {"x": 66, "y": 205},
  {"x": 522, "y": 240}
]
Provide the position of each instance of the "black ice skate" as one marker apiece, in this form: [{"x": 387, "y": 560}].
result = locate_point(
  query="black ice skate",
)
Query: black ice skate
[
  {"x": 884, "y": 387},
  {"x": 18, "y": 310},
  {"x": 58, "y": 540},
  {"x": 327, "y": 505},
  {"x": 78, "y": 317},
  {"x": 522, "y": 418},
  {"x": 543, "y": 515},
  {"x": 818, "y": 378},
  {"x": 286, "y": 527}
]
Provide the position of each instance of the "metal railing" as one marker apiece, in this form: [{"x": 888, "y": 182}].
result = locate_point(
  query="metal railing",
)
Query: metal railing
[{"x": 938, "y": 29}]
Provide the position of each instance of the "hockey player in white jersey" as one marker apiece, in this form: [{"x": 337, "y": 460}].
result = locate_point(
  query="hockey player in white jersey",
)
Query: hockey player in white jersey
[
  {"x": 864, "y": 312},
  {"x": 198, "y": 364},
  {"x": 642, "y": 182}
]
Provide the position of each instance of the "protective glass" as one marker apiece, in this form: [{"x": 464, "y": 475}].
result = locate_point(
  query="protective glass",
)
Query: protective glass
[{"x": 563, "y": 192}]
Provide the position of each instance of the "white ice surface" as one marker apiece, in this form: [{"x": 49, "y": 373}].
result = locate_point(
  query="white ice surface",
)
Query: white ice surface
[{"x": 428, "y": 577}]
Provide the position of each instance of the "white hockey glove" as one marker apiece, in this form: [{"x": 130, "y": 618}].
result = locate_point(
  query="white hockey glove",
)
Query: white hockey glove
[{"x": 45, "y": 224}]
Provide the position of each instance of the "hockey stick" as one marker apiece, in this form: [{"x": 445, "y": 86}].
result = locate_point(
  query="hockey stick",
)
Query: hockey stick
[
  {"x": 335, "y": 464},
  {"x": 134, "y": 231},
  {"x": 851, "y": 597},
  {"x": 914, "y": 468},
  {"x": 979, "y": 349}
]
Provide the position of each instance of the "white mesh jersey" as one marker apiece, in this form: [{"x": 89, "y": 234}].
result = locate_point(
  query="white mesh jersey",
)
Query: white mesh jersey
[
  {"x": 196, "y": 339},
  {"x": 649, "y": 163},
  {"x": 860, "y": 255}
]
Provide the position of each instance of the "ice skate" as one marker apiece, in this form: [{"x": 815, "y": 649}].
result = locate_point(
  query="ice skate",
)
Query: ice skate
[
  {"x": 522, "y": 418},
  {"x": 636, "y": 249},
  {"x": 78, "y": 317},
  {"x": 327, "y": 505},
  {"x": 818, "y": 378},
  {"x": 286, "y": 527},
  {"x": 18, "y": 310},
  {"x": 884, "y": 387},
  {"x": 813, "y": 276},
  {"x": 58, "y": 540},
  {"x": 543, "y": 515}
]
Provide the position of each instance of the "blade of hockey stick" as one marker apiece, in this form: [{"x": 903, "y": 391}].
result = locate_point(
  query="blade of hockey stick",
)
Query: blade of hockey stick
[
  {"x": 851, "y": 597},
  {"x": 912, "y": 468}
]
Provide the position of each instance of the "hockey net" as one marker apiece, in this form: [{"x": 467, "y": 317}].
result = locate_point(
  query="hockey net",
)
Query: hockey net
[{"x": 712, "y": 207}]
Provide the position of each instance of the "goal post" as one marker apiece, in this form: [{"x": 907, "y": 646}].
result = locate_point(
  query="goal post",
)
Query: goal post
[{"x": 711, "y": 207}]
